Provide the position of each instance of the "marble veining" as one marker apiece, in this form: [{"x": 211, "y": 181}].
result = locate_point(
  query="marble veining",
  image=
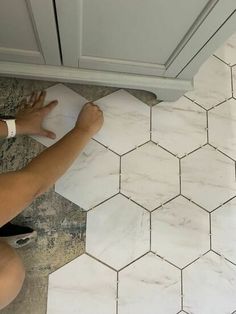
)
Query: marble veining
[
  {"x": 223, "y": 230},
  {"x": 92, "y": 178},
  {"x": 150, "y": 285},
  {"x": 212, "y": 83},
  {"x": 180, "y": 231},
  {"x": 209, "y": 286},
  {"x": 222, "y": 127},
  {"x": 208, "y": 177},
  {"x": 118, "y": 232},
  {"x": 150, "y": 176},
  {"x": 82, "y": 286},
  {"x": 179, "y": 126},
  {"x": 126, "y": 122}
]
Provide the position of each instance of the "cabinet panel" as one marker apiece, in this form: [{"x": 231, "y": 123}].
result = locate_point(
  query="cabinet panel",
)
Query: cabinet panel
[
  {"x": 28, "y": 32},
  {"x": 136, "y": 30}
]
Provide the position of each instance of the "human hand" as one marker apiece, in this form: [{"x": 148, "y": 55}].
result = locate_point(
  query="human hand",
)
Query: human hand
[
  {"x": 30, "y": 115},
  {"x": 90, "y": 119}
]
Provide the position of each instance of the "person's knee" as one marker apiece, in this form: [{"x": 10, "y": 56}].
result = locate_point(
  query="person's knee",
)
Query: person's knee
[{"x": 12, "y": 274}]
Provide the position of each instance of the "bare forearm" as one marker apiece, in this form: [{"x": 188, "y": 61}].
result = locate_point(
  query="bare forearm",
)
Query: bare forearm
[{"x": 52, "y": 163}]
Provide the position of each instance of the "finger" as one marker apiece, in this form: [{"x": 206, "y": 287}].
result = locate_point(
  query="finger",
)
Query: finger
[
  {"x": 40, "y": 100},
  {"x": 33, "y": 97},
  {"x": 48, "y": 133},
  {"x": 49, "y": 107}
]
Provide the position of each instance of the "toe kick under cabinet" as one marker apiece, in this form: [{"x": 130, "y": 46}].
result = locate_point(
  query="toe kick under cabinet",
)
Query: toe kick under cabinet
[{"x": 153, "y": 45}]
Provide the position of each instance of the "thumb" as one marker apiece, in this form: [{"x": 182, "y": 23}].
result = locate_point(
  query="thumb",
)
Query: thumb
[
  {"x": 49, "y": 107},
  {"x": 48, "y": 134}
]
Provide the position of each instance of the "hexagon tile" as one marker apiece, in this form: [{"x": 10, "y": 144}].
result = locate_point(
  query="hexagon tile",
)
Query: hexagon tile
[
  {"x": 209, "y": 286},
  {"x": 82, "y": 286},
  {"x": 180, "y": 231},
  {"x": 161, "y": 206},
  {"x": 126, "y": 122},
  {"x": 118, "y": 232},
  {"x": 222, "y": 127},
  {"x": 93, "y": 177},
  {"x": 150, "y": 176},
  {"x": 179, "y": 126},
  {"x": 150, "y": 285},
  {"x": 223, "y": 230},
  {"x": 212, "y": 84},
  {"x": 63, "y": 117},
  {"x": 208, "y": 177},
  {"x": 227, "y": 51}
]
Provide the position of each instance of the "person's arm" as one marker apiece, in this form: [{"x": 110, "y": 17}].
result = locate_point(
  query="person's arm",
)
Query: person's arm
[{"x": 18, "y": 189}]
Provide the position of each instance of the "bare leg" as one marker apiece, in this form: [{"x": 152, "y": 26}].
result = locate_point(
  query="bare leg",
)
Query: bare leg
[{"x": 12, "y": 274}]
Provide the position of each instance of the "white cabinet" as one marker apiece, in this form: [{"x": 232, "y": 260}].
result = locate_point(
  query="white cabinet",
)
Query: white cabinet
[
  {"x": 28, "y": 32},
  {"x": 156, "y": 45}
]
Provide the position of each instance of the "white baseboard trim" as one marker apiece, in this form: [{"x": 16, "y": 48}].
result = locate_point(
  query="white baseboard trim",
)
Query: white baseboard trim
[{"x": 168, "y": 89}]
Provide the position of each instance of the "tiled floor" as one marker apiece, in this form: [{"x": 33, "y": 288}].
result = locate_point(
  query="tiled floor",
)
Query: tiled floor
[{"x": 158, "y": 186}]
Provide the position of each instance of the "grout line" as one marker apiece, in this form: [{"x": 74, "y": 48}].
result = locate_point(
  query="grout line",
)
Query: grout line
[
  {"x": 150, "y": 123},
  {"x": 200, "y": 206},
  {"x": 221, "y": 60},
  {"x": 224, "y": 257},
  {"x": 180, "y": 174},
  {"x": 117, "y": 292},
  {"x": 120, "y": 175},
  {"x": 207, "y": 126},
  {"x": 194, "y": 101},
  {"x": 182, "y": 291},
  {"x": 150, "y": 220},
  {"x": 196, "y": 259},
  {"x": 229, "y": 200},
  {"x": 107, "y": 199},
  {"x": 210, "y": 231},
  {"x": 231, "y": 78},
  {"x": 220, "y": 151},
  {"x": 166, "y": 260},
  {"x": 163, "y": 204},
  {"x": 140, "y": 205},
  {"x": 138, "y": 258},
  {"x": 107, "y": 147},
  {"x": 100, "y": 261}
]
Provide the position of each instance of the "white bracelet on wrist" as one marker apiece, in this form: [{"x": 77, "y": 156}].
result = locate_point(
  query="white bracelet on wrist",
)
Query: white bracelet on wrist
[{"x": 11, "y": 127}]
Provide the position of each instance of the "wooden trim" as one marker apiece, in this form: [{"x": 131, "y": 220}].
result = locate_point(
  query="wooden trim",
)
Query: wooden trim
[
  {"x": 164, "y": 88},
  {"x": 106, "y": 64},
  {"x": 44, "y": 20},
  {"x": 20, "y": 55},
  {"x": 216, "y": 17}
]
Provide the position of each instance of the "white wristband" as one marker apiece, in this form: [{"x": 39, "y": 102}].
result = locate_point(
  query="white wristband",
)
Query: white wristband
[{"x": 11, "y": 126}]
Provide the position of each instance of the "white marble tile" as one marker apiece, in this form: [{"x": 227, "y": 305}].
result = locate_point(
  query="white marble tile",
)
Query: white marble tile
[
  {"x": 118, "y": 232},
  {"x": 150, "y": 175},
  {"x": 212, "y": 83},
  {"x": 209, "y": 286},
  {"x": 179, "y": 126},
  {"x": 222, "y": 127},
  {"x": 223, "y": 230},
  {"x": 180, "y": 231},
  {"x": 227, "y": 52},
  {"x": 149, "y": 285},
  {"x": 63, "y": 117},
  {"x": 82, "y": 286},
  {"x": 92, "y": 178},
  {"x": 234, "y": 80},
  {"x": 208, "y": 177},
  {"x": 126, "y": 121}
]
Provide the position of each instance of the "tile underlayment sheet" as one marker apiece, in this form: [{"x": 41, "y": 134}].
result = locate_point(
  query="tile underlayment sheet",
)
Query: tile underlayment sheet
[{"x": 159, "y": 188}]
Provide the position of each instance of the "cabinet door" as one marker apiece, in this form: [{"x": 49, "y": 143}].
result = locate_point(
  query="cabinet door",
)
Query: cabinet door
[
  {"x": 28, "y": 32},
  {"x": 135, "y": 36}
]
